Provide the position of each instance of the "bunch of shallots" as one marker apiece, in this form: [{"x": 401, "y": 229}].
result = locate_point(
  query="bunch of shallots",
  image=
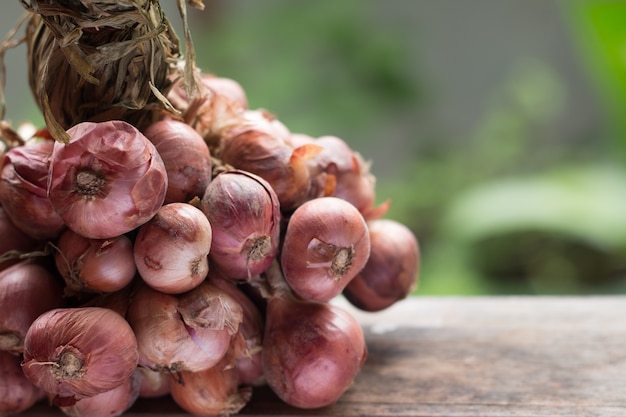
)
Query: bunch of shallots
[{"x": 196, "y": 257}]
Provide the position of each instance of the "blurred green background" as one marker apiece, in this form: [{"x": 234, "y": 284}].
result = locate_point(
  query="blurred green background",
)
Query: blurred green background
[{"x": 496, "y": 128}]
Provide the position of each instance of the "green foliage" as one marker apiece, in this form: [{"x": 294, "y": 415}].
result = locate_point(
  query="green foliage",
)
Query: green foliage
[
  {"x": 561, "y": 231},
  {"x": 506, "y": 208},
  {"x": 322, "y": 67},
  {"x": 599, "y": 30},
  {"x": 511, "y": 212}
]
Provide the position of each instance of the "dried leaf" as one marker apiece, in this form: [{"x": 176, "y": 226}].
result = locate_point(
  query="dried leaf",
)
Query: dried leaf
[{"x": 100, "y": 60}]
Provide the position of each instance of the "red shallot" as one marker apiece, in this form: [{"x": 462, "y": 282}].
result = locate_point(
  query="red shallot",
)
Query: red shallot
[
  {"x": 27, "y": 289},
  {"x": 111, "y": 403},
  {"x": 13, "y": 240},
  {"x": 94, "y": 265},
  {"x": 183, "y": 334},
  {"x": 311, "y": 351},
  {"x": 107, "y": 181},
  {"x": 325, "y": 245},
  {"x": 73, "y": 353},
  {"x": 153, "y": 384},
  {"x": 17, "y": 393},
  {"x": 213, "y": 109},
  {"x": 244, "y": 212},
  {"x": 226, "y": 87},
  {"x": 212, "y": 392},
  {"x": 171, "y": 250},
  {"x": 391, "y": 272},
  {"x": 186, "y": 157},
  {"x": 341, "y": 172},
  {"x": 263, "y": 149},
  {"x": 247, "y": 344},
  {"x": 23, "y": 190}
]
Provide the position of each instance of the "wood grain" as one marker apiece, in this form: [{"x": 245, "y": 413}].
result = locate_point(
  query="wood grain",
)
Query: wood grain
[{"x": 474, "y": 356}]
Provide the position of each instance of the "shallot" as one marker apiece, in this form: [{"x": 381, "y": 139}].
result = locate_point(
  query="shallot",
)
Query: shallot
[
  {"x": 94, "y": 265},
  {"x": 27, "y": 289},
  {"x": 171, "y": 250},
  {"x": 311, "y": 351},
  {"x": 391, "y": 272},
  {"x": 183, "y": 334},
  {"x": 14, "y": 241},
  {"x": 110, "y": 403},
  {"x": 186, "y": 157},
  {"x": 23, "y": 190},
  {"x": 219, "y": 104},
  {"x": 212, "y": 392},
  {"x": 244, "y": 212},
  {"x": 74, "y": 353},
  {"x": 107, "y": 181},
  {"x": 263, "y": 149},
  {"x": 325, "y": 245},
  {"x": 247, "y": 344},
  {"x": 17, "y": 393}
]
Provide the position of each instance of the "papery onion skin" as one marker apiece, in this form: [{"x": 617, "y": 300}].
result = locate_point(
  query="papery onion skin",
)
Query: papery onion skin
[
  {"x": 168, "y": 343},
  {"x": 94, "y": 265},
  {"x": 17, "y": 393},
  {"x": 392, "y": 270},
  {"x": 325, "y": 245},
  {"x": 13, "y": 239},
  {"x": 73, "y": 353},
  {"x": 226, "y": 87},
  {"x": 186, "y": 157},
  {"x": 111, "y": 403},
  {"x": 247, "y": 343},
  {"x": 262, "y": 149},
  {"x": 27, "y": 289},
  {"x": 23, "y": 190},
  {"x": 349, "y": 174},
  {"x": 311, "y": 351},
  {"x": 153, "y": 384},
  {"x": 213, "y": 392},
  {"x": 244, "y": 212},
  {"x": 358, "y": 186},
  {"x": 107, "y": 181},
  {"x": 171, "y": 250},
  {"x": 210, "y": 111}
]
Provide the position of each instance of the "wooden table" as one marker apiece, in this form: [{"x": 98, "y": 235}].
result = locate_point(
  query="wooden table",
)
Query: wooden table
[{"x": 477, "y": 356}]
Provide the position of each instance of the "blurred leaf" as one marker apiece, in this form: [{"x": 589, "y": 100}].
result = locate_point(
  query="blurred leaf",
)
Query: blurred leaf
[
  {"x": 586, "y": 202},
  {"x": 321, "y": 67},
  {"x": 599, "y": 27}
]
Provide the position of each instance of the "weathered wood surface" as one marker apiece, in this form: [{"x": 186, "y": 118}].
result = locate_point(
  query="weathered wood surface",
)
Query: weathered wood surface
[{"x": 482, "y": 356}]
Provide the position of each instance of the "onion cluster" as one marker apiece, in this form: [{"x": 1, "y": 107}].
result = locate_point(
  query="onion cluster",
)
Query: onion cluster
[{"x": 196, "y": 258}]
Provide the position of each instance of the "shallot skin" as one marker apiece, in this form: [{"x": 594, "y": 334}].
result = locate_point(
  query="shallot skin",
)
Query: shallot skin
[
  {"x": 247, "y": 342},
  {"x": 311, "y": 351},
  {"x": 213, "y": 392},
  {"x": 244, "y": 212},
  {"x": 72, "y": 353},
  {"x": 325, "y": 245},
  {"x": 392, "y": 270},
  {"x": 182, "y": 332},
  {"x": 27, "y": 289},
  {"x": 13, "y": 239},
  {"x": 261, "y": 146},
  {"x": 110, "y": 403},
  {"x": 107, "y": 181},
  {"x": 171, "y": 249},
  {"x": 17, "y": 393},
  {"x": 23, "y": 190},
  {"x": 94, "y": 265},
  {"x": 186, "y": 156}
]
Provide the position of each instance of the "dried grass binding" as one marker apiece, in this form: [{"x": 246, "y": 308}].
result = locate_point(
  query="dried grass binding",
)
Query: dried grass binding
[{"x": 101, "y": 60}]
